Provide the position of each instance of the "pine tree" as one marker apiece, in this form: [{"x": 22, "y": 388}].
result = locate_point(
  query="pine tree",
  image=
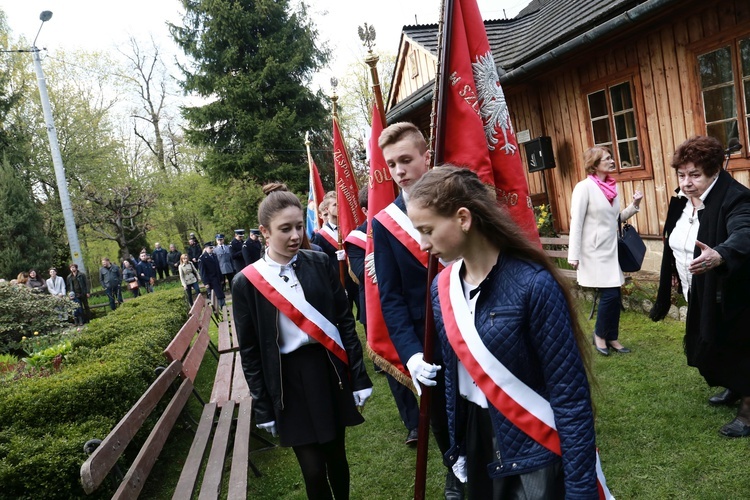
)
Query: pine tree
[
  {"x": 253, "y": 60},
  {"x": 23, "y": 245}
]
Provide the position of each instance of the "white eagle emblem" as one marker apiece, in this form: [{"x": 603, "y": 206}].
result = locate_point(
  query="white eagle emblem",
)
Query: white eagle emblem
[{"x": 492, "y": 106}]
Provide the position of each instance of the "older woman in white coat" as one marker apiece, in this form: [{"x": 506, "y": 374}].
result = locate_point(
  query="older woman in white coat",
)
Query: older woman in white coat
[{"x": 593, "y": 243}]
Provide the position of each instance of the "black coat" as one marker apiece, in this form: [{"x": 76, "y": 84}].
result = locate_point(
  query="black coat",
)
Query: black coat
[
  {"x": 159, "y": 257},
  {"x": 251, "y": 251},
  {"x": 194, "y": 252},
  {"x": 78, "y": 284},
  {"x": 256, "y": 323},
  {"x": 717, "y": 339},
  {"x": 356, "y": 257},
  {"x": 238, "y": 261},
  {"x": 210, "y": 269}
]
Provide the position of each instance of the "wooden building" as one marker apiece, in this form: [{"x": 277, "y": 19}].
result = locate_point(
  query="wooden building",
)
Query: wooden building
[{"x": 638, "y": 76}]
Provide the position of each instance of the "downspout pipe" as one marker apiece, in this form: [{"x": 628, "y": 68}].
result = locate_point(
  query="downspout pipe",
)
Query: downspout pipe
[{"x": 625, "y": 19}]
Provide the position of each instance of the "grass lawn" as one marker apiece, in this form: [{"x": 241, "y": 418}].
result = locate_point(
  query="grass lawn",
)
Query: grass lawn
[{"x": 658, "y": 437}]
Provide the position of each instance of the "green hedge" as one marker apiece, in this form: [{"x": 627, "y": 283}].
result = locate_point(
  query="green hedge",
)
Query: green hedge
[{"x": 44, "y": 422}]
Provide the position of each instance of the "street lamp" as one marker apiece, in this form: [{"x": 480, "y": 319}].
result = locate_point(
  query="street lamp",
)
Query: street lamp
[{"x": 62, "y": 184}]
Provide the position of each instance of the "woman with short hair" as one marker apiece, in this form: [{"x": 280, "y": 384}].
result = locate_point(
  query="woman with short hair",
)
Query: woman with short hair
[{"x": 707, "y": 257}]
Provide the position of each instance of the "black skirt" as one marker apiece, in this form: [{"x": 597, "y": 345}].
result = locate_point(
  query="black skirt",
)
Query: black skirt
[{"x": 318, "y": 402}]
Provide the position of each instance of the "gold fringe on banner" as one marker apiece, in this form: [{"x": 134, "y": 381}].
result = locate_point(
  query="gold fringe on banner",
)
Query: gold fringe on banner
[{"x": 391, "y": 370}]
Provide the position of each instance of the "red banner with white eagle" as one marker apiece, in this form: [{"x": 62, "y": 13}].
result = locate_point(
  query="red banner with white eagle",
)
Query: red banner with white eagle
[
  {"x": 380, "y": 195},
  {"x": 479, "y": 133},
  {"x": 347, "y": 193}
]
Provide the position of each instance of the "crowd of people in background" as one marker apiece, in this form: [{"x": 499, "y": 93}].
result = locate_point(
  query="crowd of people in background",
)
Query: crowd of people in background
[
  {"x": 212, "y": 265},
  {"x": 75, "y": 288}
]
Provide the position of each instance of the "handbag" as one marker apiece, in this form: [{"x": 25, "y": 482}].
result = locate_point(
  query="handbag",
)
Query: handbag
[
  {"x": 630, "y": 247},
  {"x": 133, "y": 285}
]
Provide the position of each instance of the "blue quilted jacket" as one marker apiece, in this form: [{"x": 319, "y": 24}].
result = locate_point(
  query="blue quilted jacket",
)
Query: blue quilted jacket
[{"x": 522, "y": 318}]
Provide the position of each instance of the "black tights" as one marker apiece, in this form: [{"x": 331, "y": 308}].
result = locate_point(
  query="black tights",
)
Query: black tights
[{"x": 322, "y": 464}]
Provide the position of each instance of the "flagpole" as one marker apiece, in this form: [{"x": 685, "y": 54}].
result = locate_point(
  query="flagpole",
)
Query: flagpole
[
  {"x": 367, "y": 35},
  {"x": 437, "y": 139},
  {"x": 334, "y": 108},
  {"x": 311, "y": 180}
]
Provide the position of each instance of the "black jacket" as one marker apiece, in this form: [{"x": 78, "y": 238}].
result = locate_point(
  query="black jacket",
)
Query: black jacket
[
  {"x": 194, "y": 252},
  {"x": 210, "y": 269},
  {"x": 251, "y": 251},
  {"x": 719, "y": 311},
  {"x": 159, "y": 257},
  {"x": 78, "y": 284},
  {"x": 256, "y": 322},
  {"x": 238, "y": 261}
]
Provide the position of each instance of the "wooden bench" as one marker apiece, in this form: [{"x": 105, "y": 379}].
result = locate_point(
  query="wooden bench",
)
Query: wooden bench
[
  {"x": 552, "y": 248},
  {"x": 230, "y": 400},
  {"x": 556, "y": 252}
]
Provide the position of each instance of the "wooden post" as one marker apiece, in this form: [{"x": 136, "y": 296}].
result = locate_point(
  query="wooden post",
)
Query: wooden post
[
  {"x": 334, "y": 109},
  {"x": 437, "y": 139},
  {"x": 367, "y": 35}
]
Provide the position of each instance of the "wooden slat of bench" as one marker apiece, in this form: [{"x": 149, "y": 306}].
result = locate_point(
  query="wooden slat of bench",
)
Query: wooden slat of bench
[
  {"x": 232, "y": 327},
  {"x": 560, "y": 240},
  {"x": 132, "y": 484},
  {"x": 223, "y": 379},
  {"x": 206, "y": 319},
  {"x": 569, "y": 273},
  {"x": 192, "y": 467},
  {"x": 198, "y": 304},
  {"x": 240, "y": 390},
  {"x": 240, "y": 455},
  {"x": 95, "y": 469},
  {"x": 225, "y": 340},
  {"x": 211, "y": 485},
  {"x": 557, "y": 254},
  {"x": 192, "y": 362},
  {"x": 181, "y": 342}
]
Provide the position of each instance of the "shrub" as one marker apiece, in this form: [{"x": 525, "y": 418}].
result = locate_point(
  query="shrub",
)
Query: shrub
[
  {"x": 44, "y": 422},
  {"x": 23, "y": 312}
]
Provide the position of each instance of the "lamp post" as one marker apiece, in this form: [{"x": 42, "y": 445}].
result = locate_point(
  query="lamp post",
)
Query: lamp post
[{"x": 62, "y": 184}]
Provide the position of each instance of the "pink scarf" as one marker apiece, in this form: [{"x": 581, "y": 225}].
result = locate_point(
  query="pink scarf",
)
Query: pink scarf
[{"x": 608, "y": 186}]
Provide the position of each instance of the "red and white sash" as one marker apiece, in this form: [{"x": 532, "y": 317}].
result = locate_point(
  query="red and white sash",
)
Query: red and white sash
[
  {"x": 520, "y": 404},
  {"x": 330, "y": 235},
  {"x": 295, "y": 307},
  {"x": 401, "y": 227},
  {"x": 357, "y": 238}
]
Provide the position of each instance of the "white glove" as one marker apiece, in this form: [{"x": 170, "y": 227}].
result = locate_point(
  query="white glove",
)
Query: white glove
[
  {"x": 459, "y": 468},
  {"x": 421, "y": 372},
  {"x": 370, "y": 267},
  {"x": 361, "y": 396},
  {"x": 341, "y": 254},
  {"x": 269, "y": 427}
]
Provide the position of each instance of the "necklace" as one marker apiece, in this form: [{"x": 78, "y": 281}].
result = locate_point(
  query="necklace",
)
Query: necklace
[{"x": 692, "y": 219}]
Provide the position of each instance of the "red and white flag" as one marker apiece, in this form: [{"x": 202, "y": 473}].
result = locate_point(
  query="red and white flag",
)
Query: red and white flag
[
  {"x": 479, "y": 134},
  {"x": 380, "y": 195},
  {"x": 314, "y": 197},
  {"x": 347, "y": 192}
]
